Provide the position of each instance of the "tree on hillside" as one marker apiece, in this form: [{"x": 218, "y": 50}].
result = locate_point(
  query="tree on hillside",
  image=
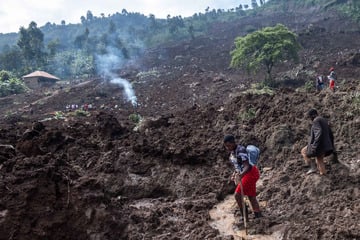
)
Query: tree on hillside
[
  {"x": 31, "y": 43},
  {"x": 11, "y": 59},
  {"x": 191, "y": 31},
  {"x": 153, "y": 23},
  {"x": 254, "y": 4},
  {"x": 82, "y": 40},
  {"x": 53, "y": 46},
  {"x": 89, "y": 16},
  {"x": 265, "y": 47},
  {"x": 83, "y": 20},
  {"x": 174, "y": 23},
  {"x": 112, "y": 27}
]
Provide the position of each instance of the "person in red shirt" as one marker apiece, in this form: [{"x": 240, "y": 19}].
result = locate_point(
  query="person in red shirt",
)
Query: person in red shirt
[{"x": 332, "y": 78}]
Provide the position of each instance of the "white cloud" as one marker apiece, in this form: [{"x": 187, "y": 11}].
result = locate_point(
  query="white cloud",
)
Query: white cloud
[{"x": 16, "y": 13}]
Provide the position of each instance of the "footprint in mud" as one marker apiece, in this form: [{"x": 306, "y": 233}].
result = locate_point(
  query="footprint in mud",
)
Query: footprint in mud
[{"x": 223, "y": 219}]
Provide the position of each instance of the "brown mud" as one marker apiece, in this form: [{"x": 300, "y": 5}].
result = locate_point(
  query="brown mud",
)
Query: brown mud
[{"x": 102, "y": 176}]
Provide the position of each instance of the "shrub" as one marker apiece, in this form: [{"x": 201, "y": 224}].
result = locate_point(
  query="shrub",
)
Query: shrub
[
  {"x": 309, "y": 86},
  {"x": 134, "y": 117},
  {"x": 248, "y": 115},
  {"x": 4, "y": 76},
  {"x": 59, "y": 115},
  {"x": 10, "y": 85},
  {"x": 81, "y": 113}
]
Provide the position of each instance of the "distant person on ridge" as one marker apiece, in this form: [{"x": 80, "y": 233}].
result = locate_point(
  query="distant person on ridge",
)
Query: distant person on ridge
[
  {"x": 319, "y": 83},
  {"x": 320, "y": 145},
  {"x": 332, "y": 78},
  {"x": 244, "y": 172}
]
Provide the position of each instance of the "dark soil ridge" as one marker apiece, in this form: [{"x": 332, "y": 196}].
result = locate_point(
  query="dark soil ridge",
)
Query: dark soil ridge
[{"x": 104, "y": 177}]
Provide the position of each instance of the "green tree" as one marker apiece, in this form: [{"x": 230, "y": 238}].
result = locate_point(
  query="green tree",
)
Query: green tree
[
  {"x": 31, "y": 43},
  {"x": 153, "y": 24},
  {"x": 124, "y": 12},
  {"x": 191, "y": 31},
  {"x": 174, "y": 23},
  {"x": 89, "y": 16},
  {"x": 53, "y": 46},
  {"x": 81, "y": 41},
  {"x": 254, "y": 4},
  {"x": 265, "y": 47},
  {"x": 4, "y": 76},
  {"x": 82, "y": 65},
  {"x": 72, "y": 64},
  {"x": 83, "y": 20},
  {"x": 12, "y": 60},
  {"x": 112, "y": 27}
]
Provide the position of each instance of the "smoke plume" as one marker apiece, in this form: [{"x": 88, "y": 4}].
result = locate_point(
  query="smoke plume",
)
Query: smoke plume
[{"x": 106, "y": 65}]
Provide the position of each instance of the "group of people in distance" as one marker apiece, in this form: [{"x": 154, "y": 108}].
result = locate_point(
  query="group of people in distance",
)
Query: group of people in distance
[{"x": 331, "y": 78}]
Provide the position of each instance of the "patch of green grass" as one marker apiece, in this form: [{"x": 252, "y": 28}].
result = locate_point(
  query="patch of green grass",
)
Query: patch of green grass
[
  {"x": 248, "y": 115},
  {"x": 134, "y": 117},
  {"x": 259, "y": 89},
  {"x": 81, "y": 113},
  {"x": 309, "y": 86},
  {"x": 59, "y": 115},
  {"x": 150, "y": 73}
]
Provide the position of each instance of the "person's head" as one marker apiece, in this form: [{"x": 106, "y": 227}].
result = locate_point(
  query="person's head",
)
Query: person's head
[
  {"x": 312, "y": 114},
  {"x": 331, "y": 69},
  {"x": 229, "y": 142}
]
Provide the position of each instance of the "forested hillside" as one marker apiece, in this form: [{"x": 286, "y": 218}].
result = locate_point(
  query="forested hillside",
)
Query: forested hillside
[{"x": 71, "y": 50}]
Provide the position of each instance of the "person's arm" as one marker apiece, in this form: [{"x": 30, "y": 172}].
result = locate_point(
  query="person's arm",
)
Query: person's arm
[
  {"x": 246, "y": 169},
  {"x": 317, "y": 131},
  {"x": 331, "y": 138},
  {"x": 242, "y": 156}
]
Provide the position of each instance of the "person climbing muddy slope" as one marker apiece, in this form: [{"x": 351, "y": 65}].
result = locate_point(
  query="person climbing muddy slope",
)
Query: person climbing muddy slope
[
  {"x": 321, "y": 143},
  {"x": 245, "y": 175}
]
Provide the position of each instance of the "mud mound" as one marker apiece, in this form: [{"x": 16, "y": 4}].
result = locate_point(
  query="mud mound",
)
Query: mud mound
[
  {"x": 101, "y": 179},
  {"x": 102, "y": 174}
]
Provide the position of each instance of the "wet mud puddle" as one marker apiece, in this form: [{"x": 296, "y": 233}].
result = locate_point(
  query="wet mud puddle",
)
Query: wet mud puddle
[{"x": 223, "y": 219}]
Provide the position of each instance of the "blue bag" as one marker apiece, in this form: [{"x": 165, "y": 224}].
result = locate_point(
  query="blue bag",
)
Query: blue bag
[{"x": 253, "y": 153}]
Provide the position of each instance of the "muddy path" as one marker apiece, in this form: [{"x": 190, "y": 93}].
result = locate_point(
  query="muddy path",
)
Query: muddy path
[{"x": 224, "y": 219}]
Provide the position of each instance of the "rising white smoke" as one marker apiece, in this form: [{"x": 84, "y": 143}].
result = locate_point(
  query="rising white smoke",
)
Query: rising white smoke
[
  {"x": 129, "y": 91},
  {"x": 113, "y": 60}
]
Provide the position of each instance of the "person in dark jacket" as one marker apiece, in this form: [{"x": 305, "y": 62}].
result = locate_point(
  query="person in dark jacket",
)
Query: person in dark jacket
[{"x": 320, "y": 145}]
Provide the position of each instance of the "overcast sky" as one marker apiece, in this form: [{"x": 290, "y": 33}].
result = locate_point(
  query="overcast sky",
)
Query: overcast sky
[{"x": 17, "y": 13}]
